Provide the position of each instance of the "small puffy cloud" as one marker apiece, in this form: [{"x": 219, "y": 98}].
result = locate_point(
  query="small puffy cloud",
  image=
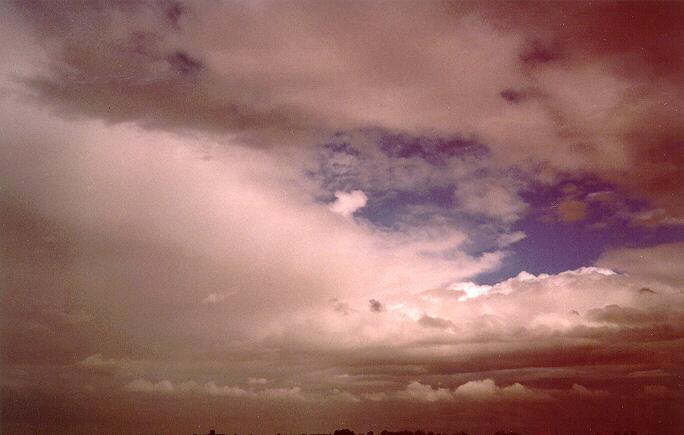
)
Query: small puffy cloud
[
  {"x": 343, "y": 396},
  {"x": 424, "y": 393},
  {"x": 375, "y": 397},
  {"x": 260, "y": 381},
  {"x": 97, "y": 361},
  {"x": 580, "y": 389},
  {"x": 479, "y": 390},
  {"x": 571, "y": 210},
  {"x": 215, "y": 390},
  {"x": 211, "y": 388},
  {"x": 486, "y": 389},
  {"x": 292, "y": 393},
  {"x": 188, "y": 386},
  {"x": 585, "y": 392},
  {"x": 214, "y": 298},
  {"x": 98, "y": 364},
  {"x": 347, "y": 203},
  {"x": 145, "y": 386}
]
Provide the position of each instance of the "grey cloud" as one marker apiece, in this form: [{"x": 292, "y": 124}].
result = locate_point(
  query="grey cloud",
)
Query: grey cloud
[
  {"x": 340, "y": 307},
  {"x": 662, "y": 265},
  {"x": 435, "y": 322},
  {"x": 160, "y": 66},
  {"x": 626, "y": 315},
  {"x": 133, "y": 234},
  {"x": 511, "y": 95},
  {"x": 96, "y": 363},
  {"x": 376, "y": 306},
  {"x": 145, "y": 386},
  {"x": 156, "y": 64}
]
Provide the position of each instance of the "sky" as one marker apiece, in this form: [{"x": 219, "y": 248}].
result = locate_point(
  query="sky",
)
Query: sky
[{"x": 295, "y": 217}]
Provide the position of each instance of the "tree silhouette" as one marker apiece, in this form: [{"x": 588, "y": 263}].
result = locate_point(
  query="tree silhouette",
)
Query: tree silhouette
[{"x": 344, "y": 432}]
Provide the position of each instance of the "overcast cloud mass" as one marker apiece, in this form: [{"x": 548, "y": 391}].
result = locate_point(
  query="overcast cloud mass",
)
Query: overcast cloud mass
[{"x": 301, "y": 216}]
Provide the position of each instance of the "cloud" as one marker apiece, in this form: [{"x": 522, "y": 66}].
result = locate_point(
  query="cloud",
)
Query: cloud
[
  {"x": 424, "y": 393},
  {"x": 158, "y": 153},
  {"x": 344, "y": 396},
  {"x": 214, "y": 298},
  {"x": 96, "y": 363},
  {"x": 654, "y": 218},
  {"x": 616, "y": 314},
  {"x": 660, "y": 263},
  {"x": 434, "y": 322},
  {"x": 120, "y": 203},
  {"x": 486, "y": 389},
  {"x": 292, "y": 393},
  {"x": 536, "y": 93},
  {"x": 491, "y": 198},
  {"x": 212, "y": 389},
  {"x": 470, "y": 289},
  {"x": 571, "y": 210},
  {"x": 533, "y": 320},
  {"x": 510, "y": 238},
  {"x": 145, "y": 386},
  {"x": 347, "y": 204},
  {"x": 375, "y": 397},
  {"x": 584, "y": 391},
  {"x": 376, "y": 306}
]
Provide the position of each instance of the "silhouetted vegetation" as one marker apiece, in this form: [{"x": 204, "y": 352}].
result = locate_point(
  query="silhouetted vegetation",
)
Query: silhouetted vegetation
[{"x": 346, "y": 431}]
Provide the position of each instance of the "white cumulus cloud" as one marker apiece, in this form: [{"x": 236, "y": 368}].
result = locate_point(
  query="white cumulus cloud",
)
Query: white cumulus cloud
[{"x": 347, "y": 203}]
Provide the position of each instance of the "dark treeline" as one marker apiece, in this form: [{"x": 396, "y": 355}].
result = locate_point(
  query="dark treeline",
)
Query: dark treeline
[
  {"x": 420, "y": 432},
  {"x": 409, "y": 432}
]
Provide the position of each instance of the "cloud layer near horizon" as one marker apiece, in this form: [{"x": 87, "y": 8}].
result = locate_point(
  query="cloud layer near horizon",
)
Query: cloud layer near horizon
[{"x": 282, "y": 210}]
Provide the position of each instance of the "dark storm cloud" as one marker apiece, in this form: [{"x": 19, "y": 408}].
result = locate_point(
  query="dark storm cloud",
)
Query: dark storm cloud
[
  {"x": 156, "y": 64},
  {"x": 639, "y": 41},
  {"x": 643, "y": 30}
]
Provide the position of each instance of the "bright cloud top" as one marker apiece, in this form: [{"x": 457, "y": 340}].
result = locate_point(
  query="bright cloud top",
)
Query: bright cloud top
[{"x": 346, "y": 203}]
